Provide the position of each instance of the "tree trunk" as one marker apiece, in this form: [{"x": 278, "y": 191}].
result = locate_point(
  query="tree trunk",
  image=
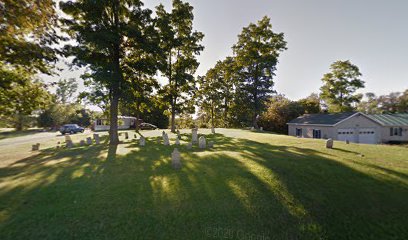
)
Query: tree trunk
[
  {"x": 137, "y": 118},
  {"x": 113, "y": 130},
  {"x": 115, "y": 87},
  {"x": 173, "y": 117}
]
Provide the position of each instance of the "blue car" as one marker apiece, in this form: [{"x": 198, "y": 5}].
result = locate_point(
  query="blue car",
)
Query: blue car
[{"x": 71, "y": 129}]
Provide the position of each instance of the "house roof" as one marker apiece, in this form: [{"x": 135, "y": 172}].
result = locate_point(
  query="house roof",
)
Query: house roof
[
  {"x": 322, "y": 118},
  {"x": 396, "y": 119}
]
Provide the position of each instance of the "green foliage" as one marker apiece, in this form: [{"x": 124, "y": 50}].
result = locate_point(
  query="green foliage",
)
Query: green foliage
[
  {"x": 21, "y": 98},
  {"x": 108, "y": 33},
  {"x": 279, "y": 112},
  {"x": 340, "y": 86},
  {"x": 59, "y": 114},
  {"x": 395, "y": 102},
  {"x": 256, "y": 55},
  {"x": 26, "y": 35},
  {"x": 311, "y": 104},
  {"x": 180, "y": 45},
  {"x": 66, "y": 88}
]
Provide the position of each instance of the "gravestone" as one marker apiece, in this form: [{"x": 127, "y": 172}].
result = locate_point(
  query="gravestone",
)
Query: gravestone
[
  {"x": 135, "y": 136},
  {"x": 194, "y": 135},
  {"x": 166, "y": 140},
  {"x": 210, "y": 144},
  {"x": 329, "y": 143},
  {"x": 68, "y": 138},
  {"x": 176, "y": 159},
  {"x": 347, "y": 141},
  {"x": 202, "y": 143},
  {"x": 96, "y": 138},
  {"x": 35, "y": 147},
  {"x": 178, "y": 134},
  {"x": 163, "y": 133},
  {"x": 261, "y": 129},
  {"x": 82, "y": 143},
  {"x": 126, "y": 135},
  {"x": 252, "y": 129},
  {"x": 177, "y": 141},
  {"x": 142, "y": 141},
  {"x": 69, "y": 144},
  {"x": 189, "y": 145},
  {"x": 89, "y": 140},
  {"x": 212, "y": 130}
]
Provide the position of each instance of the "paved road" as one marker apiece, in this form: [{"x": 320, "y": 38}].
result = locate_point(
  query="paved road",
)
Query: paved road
[{"x": 31, "y": 138}]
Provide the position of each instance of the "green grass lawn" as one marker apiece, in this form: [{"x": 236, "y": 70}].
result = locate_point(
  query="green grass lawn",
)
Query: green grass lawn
[{"x": 249, "y": 186}]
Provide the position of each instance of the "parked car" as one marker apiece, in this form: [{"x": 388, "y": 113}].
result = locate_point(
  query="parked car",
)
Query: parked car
[
  {"x": 71, "y": 129},
  {"x": 147, "y": 126}
]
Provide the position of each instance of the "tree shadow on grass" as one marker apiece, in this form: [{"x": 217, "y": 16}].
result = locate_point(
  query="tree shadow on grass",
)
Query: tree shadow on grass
[{"x": 238, "y": 187}]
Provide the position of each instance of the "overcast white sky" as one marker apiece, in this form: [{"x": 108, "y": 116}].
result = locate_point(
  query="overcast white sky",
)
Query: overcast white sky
[{"x": 373, "y": 34}]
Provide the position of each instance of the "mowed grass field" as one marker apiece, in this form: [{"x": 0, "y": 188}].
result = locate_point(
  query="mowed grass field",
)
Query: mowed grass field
[{"x": 249, "y": 186}]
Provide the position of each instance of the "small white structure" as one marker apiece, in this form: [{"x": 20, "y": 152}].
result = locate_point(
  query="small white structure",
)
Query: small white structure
[
  {"x": 194, "y": 135},
  {"x": 202, "y": 142},
  {"x": 142, "y": 141},
  {"x": 176, "y": 159},
  {"x": 124, "y": 122}
]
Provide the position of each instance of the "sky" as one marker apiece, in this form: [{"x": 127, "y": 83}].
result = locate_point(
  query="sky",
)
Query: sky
[{"x": 372, "y": 34}]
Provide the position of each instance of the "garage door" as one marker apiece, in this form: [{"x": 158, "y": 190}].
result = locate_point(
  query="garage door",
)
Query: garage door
[
  {"x": 346, "y": 134},
  {"x": 367, "y": 135}
]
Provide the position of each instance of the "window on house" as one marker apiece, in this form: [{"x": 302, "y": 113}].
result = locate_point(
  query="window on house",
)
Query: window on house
[
  {"x": 391, "y": 131},
  {"x": 298, "y": 132},
  {"x": 317, "y": 133},
  {"x": 399, "y": 131}
]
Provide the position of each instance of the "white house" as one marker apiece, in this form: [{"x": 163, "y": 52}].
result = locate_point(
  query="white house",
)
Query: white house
[
  {"x": 352, "y": 126},
  {"x": 124, "y": 122}
]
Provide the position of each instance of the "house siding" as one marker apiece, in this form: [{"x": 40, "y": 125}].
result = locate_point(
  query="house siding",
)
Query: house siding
[
  {"x": 355, "y": 122},
  {"x": 386, "y": 137}
]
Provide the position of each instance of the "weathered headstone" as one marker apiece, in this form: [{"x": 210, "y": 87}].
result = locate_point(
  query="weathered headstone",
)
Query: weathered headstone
[
  {"x": 96, "y": 138},
  {"x": 212, "y": 130},
  {"x": 329, "y": 143},
  {"x": 347, "y": 141},
  {"x": 177, "y": 141},
  {"x": 202, "y": 143},
  {"x": 82, "y": 143},
  {"x": 176, "y": 159},
  {"x": 142, "y": 141},
  {"x": 126, "y": 135},
  {"x": 252, "y": 129},
  {"x": 68, "y": 138},
  {"x": 166, "y": 140},
  {"x": 261, "y": 129},
  {"x": 178, "y": 134},
  {"x": 135, "y": 136},
  {"x": 89, "y": 140},
  {"x": 194, "y": 135},
  {"x": 163, "y": 133},
  {"x": 35, "y": 147},
  {"x": 69, "y": 144},
  {"x": 210, "y": 144},
  {"x": 189, "y": 145}
]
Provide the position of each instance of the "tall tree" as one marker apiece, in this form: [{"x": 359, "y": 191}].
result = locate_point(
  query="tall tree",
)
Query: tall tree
[
  {"x": 180, "y": 45},
  {"x": 26, "y": 35},
  {"x": 106, "y": 32},
  {"x": 209, "y": 95},
  {"x": 22, "y": 100},
  {"x": 256, "y": 54},
  {"x": 340, "y": 86},
  {"x": 311, "y": 104},
  {"x": 66, "y": 88}
]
